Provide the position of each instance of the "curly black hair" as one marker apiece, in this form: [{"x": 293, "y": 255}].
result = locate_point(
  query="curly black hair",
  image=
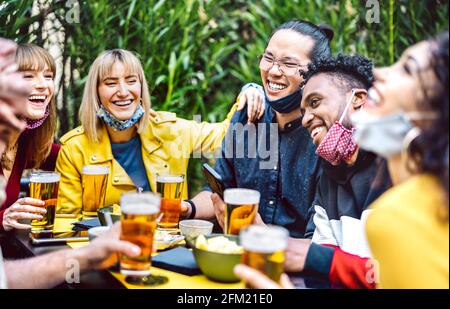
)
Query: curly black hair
[
  {"x": 430, "y": 150},
  {"x": 352, "y": 71}
]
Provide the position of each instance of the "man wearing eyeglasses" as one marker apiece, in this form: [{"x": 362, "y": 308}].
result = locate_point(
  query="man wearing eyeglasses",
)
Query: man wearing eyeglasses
[{"x": 284, "y": 168}]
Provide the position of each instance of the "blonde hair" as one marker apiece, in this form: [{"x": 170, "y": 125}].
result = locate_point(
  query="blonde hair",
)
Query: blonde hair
[
  {"x": 99, "y": 70},
  {"x": 30, "y": 57}
]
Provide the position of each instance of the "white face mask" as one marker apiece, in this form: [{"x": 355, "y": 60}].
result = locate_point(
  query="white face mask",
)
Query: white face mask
[{"x": 386, "y": 135}]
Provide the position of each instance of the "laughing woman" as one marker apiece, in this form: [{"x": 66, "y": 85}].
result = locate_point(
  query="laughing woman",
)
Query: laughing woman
[
  {"x": 406, "y": 121},
  {"x": 34, "y": 147},
  {"x": 118, "y": 130}
]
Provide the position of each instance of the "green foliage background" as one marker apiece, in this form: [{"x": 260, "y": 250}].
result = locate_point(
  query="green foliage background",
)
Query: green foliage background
[{"x": 198, "y": 53}]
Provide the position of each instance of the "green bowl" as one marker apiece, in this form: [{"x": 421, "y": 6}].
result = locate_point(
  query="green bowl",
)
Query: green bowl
[
  {"x": 101, "y": 214},
  {"x": 217, "y": 266}
]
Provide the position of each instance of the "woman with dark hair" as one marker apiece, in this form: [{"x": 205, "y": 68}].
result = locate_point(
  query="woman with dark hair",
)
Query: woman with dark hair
[
  {"x": 406, "y": 121},
  {"x": 32, "y": 148}
]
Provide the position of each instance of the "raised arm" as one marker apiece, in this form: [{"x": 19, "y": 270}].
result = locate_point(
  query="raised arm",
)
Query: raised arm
[{"x": 51, "y": 269}]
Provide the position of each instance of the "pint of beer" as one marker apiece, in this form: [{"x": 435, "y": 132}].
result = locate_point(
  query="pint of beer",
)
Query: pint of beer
[
  {"x": 241, "y": 208},
  {"x": 139, "y": 220},
  {"x": 94, "y": 182},
  {"x": 44, "y": 186},
  {"x": 264, "y": 248},
  {"x": 171, "y": 189}
]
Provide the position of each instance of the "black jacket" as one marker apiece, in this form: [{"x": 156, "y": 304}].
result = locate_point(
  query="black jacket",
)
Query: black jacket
[{"x": 336, "y": 218}]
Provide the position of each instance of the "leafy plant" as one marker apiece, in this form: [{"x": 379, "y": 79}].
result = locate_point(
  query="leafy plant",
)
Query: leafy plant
[{"x": 198, "y": 53}]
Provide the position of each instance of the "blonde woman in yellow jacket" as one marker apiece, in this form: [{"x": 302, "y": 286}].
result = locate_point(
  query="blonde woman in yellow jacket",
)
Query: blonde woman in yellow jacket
[{"x": 115, "y": 112}]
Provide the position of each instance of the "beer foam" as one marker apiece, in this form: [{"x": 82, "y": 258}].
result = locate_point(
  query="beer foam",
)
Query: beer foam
[
  {"x": 169, "y": 178},
  {"x": 241, "y": 196},
  {"x": 264, "y": 239},
  {"x": 45, "y": 177},
  {"x": 140, "y": 203},
  {"x": 139, "y": 209},
  {"x": 95, "y": 169}
]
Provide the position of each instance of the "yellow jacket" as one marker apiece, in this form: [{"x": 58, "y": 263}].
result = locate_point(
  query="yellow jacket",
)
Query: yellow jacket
[
  {"x": 408, "y": 235},
  {"x": 167, "y": 145}
]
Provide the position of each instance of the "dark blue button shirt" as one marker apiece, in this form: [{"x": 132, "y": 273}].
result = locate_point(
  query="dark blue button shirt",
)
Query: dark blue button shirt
[
  {"x": 129, "y": 156},
  {"x": 286, "y": 178}
]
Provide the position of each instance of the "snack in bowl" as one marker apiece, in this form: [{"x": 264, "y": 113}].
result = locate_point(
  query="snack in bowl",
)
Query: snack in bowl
[
  {"x": 219, "y": 244},
  {"x": 216, "y": 255},
  {"x": 166, "y": 239}
]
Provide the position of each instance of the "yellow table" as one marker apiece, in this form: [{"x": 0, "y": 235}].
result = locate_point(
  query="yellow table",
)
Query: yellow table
[
  {"x": 176, "y": 280},
  {"x": 179, "y": 281}
]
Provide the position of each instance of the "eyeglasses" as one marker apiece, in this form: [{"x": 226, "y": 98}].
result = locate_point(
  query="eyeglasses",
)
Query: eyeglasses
[{"x": 286, "y": 68}]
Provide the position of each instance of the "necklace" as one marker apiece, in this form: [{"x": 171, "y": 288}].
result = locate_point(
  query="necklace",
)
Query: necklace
[{"x": 9, "y": 156}]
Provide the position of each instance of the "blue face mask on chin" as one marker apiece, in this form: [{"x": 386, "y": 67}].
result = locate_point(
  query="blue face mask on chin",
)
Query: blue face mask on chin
[
  {"x": 286, "y": 104},
  {"x": 120, "y": 125}
]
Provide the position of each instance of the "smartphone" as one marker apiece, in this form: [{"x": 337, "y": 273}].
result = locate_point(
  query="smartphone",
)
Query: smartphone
[
  {"x": 58, "y": 237},
  {"x": 214, "y": 179}
]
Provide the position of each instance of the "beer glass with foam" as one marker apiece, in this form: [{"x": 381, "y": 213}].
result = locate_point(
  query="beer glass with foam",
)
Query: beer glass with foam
[
  {"x": 94, "y": 182},
  {"x": 264, "y": 247},
  {"x": 139, "y": 221},
  {"x": 241, "y": 208},
  {"x": 171, "y": 189},
  {"x": 44, "y": 186}
]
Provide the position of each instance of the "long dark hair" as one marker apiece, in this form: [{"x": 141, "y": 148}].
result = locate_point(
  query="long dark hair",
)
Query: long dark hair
[
  {"x": 322, "y": 35},
  {"x": 429, "y": 150}
]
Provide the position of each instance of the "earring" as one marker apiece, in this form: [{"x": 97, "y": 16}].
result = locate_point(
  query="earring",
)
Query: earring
[{"x": 409, "y": 137}]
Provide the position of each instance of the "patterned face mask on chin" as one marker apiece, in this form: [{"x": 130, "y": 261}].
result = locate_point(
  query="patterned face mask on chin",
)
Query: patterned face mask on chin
[
  {"x": 338, "y": 143},
  {"x": 120, "y": 125},
  {"x": 36, "y": 123}
]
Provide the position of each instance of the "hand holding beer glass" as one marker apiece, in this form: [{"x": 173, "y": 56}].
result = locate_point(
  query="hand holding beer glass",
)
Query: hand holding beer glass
[
  {"x": 44, "y": 186},
  {"x": 240, "y": 209},
  {"x": 264, "y": 247},
  {"x": 171, "y": 189},
  {"x": 94, "y": 182},
  {"x": 139, "y": 221}
]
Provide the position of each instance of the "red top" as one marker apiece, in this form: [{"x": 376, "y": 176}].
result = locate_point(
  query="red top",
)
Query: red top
[{"x": 13, "y": 185}]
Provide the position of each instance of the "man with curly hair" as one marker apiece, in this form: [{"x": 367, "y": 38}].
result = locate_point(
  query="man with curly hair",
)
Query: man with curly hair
[{"x": 351, "y": 180}]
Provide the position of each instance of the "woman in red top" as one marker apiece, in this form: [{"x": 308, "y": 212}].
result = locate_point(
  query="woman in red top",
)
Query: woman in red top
[{"x": 33, "y": 148}]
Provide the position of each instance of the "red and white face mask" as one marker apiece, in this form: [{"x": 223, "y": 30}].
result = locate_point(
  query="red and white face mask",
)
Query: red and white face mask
[{"x": 338, "y": 144}]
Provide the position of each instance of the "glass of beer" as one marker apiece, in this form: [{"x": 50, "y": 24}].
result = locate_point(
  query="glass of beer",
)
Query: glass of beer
[
  {"x": 264, "y": 248},
  {"x": 139, "y": 220},
  {"x": 240, "y": 210},
  {"x": 94, "y": 182},
  {"x": 171, "y": 189},
  {"x": 44, "y": 186}
]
